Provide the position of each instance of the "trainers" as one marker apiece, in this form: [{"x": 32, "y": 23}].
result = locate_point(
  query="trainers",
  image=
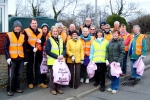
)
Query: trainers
[
  {"x": 31, "y": 86},
  {"x": 60, "y": 91},
  {"x": 42, "y": 85},
  {"x": 53, "y": 92},
  {"x": 81, "y": 80},
  {"x": 109, "y": 90},
  {"x": 114, "y": 91},
  {"x": 87, "y": 80}
]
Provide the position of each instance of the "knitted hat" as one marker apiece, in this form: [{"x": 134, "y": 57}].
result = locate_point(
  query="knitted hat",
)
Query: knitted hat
[
  {"x": 104, "y": 23},
  {"x": 17, "y": 23},
  {"x": 44, "y": 24}
]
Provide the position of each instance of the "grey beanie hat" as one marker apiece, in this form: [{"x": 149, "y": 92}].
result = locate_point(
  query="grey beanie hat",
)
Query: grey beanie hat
[
  {"x": 44, "y": 24},
  {"x": 17, "y": 23}
]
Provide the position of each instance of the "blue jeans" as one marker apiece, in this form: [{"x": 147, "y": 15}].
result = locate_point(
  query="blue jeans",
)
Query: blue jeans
[
  {"x": 124, "y": 67},
  {"x": 133, "y": 70},
  {"x": 115, "y": 82}
]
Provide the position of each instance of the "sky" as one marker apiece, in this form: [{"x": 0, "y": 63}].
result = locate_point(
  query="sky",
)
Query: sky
[{"x": 144, "y": 4}]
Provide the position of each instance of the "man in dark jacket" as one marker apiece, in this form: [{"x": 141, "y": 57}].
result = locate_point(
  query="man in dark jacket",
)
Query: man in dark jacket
[
  {"x": 87, "y": 24},
  {"x": 15, "y": 49},
  {"x": 35, "y": 41}
]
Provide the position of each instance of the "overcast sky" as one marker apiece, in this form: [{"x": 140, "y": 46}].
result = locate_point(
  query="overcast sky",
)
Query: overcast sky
[{"x": 142, "y": 4}]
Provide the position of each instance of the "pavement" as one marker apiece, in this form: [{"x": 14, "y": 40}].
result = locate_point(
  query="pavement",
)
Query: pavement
[
  {"x": 69, "y": 93},
  {"x": 141, "y": 91}
]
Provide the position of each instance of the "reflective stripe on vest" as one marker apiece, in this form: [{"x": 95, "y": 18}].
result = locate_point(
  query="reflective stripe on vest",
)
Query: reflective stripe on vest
[
  {"x": 54, "y": 49},
  {"x": 139, "y": 44},
  {"x": 16, "y": 45},
  {"x": 32, "y": 38},
  {"x": 100, "y": 51}
]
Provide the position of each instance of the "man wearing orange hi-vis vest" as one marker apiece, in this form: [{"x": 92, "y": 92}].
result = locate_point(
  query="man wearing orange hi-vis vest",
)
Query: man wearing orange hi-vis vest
[
  {"x": 15, "y": 49},
  {"x": 137, "y": 49},
  {"x": 35, "y": 40},
  {"x": 127, "y": 38}
]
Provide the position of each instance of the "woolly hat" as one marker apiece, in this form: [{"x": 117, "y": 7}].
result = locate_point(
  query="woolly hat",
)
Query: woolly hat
[
  {"x": 17, "y": 23},
  {"x": 102, "y": 23},
  {"x": 44, "y": 24}
]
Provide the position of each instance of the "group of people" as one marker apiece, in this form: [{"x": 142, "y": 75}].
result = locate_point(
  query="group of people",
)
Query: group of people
[{"x": 100, "y": 46}]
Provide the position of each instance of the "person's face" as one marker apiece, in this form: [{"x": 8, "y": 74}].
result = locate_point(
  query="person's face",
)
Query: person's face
[
  {"x": 74, "y": 35},
  {"x": 116, "y": 25},
  {"x": 102, "y": 27},
  {"x": 115, "y": 35},
  {"x": 123, "y": 28},
  {"x": 85, "y": 32},
  {"x": 64, "y": 30},
  {"x": 60, "y": 29},
  {"x": 44, "y": 29},
  {"x": 99, "y": 34},
  {"x": 92, "y": 30},
  {"x": 88, "y": 22},
  {"x": 55, "y": 32},
  {"x": 136, "y": 30},
  {"x": 34, "y": 24},
  {"x": 72, "y": 28},
  {"x": 17, "y": 29},
  {"x": 107, "y": 29}
]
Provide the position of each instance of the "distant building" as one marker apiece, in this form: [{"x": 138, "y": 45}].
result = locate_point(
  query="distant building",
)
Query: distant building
[{"x": 3, "y": 15}]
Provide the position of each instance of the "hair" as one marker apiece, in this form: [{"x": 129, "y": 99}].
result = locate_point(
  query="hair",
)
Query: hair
[
  {"x": 88, "y": 18},
  {"x": 53, "y": 28},
  {"x": 92, "y": 26},
  {"x": 99, "y": 31},
  {"x": 117, "y": 22},
  {"x": 123, "y": 25},
  {"x": 59, "y": 24},
  {"x": 107, "y": 25},
  {"x": 74, "y": 32},
  {"x": 32, "y": 20},
  {"x": 116, "y": 31},
  {"x": 65, "y": 29},
  {"x": 137, "y": 27}
]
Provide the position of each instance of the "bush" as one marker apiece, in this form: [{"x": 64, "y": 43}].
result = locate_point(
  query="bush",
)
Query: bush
[{"x": 112, "y": 18}]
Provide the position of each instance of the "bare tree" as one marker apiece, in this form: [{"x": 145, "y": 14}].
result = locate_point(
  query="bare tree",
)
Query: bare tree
[{"x": 18, "y": 7}]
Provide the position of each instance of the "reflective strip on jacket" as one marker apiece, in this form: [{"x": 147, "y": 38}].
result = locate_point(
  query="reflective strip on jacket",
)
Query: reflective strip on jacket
[
  {"x": 55, "y": 49},
  {"x": 16, "y": 45},
  {"x": 100, "y": 51},
  {"x": 32, "y": 38}
]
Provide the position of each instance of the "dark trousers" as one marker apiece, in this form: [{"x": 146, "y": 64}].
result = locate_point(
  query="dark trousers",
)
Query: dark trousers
[
  {"x": 36, "y": 69},
  {"x": 83, "y": 71},
  {"x": 14, "y": 77},
  {"x": 75, "y": 76},
  {"x": 53, "y": 86},
  {"x": 100, "y": 74},
  {"x": 44, "y": 78},
  {"x": 124, "y": 67}
]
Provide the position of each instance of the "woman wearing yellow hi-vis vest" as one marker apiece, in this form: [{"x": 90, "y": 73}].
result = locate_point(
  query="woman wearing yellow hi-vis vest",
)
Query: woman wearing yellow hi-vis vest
[
  {"x": 55, "y": 49},
  {"x": 98, "y": 56}
]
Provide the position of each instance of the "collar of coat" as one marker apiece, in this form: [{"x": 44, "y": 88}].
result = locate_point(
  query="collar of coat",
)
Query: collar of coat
[{"x": 86, "y": 39}]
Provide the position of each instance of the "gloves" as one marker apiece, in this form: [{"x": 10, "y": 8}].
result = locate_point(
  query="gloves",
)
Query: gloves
[
  {"x": 72, "y": 58},
  {"x": 118, "y": 64},
  {"x": 35, "y": 49},
  {"x": 38, "y": 41},
  {"x": 142, "y": 56},
  {"x": 9, "y": 61},
  {"x": 107, "y": 62},
  {"x": 82, "y": 61},
  {"x": 25, "y": 63}
]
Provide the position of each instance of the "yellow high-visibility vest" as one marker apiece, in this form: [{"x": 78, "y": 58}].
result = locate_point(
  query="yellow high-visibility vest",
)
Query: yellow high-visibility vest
[
  {"x": 55, "y": 49},
  {"x": 100, "y": 51}
]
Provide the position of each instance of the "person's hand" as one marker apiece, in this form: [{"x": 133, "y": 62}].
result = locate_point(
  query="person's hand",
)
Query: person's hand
[
  {"x": 35, "y": 49},
  {"x": 9, "y": 61},
  {"x": 38, "y": 41},
  {"x": 142, "y": 56},
  {"x": 60, "y": 57},
  {"x": 25, "y": 63},
  {"x": 107, "y": 62},
  {"x": 118, "y": 64},
  {"x": 72, "y": 58},
  {"x": 82, "y": 61}
]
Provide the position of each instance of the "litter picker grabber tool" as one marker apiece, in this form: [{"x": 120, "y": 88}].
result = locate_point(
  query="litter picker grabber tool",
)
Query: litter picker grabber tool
[
  {"x": 10, "y": 69},
  {"x": 74, "y": 74}
]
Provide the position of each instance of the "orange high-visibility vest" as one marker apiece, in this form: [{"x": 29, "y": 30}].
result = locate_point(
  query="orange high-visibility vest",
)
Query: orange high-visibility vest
[
  {"x": 64, "y": 36},
  {"x": 87, "y": 46},
  {"x": 16, "y": 45},
  {"x": 108, "y": 37},
  {"x": 139, "y": 44},
  {"x": 32, "y": 38},
  {"x": 124, "y": 38}
]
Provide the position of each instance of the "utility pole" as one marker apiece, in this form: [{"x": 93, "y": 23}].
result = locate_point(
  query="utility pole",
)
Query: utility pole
[{"x": 96, "y": 13}]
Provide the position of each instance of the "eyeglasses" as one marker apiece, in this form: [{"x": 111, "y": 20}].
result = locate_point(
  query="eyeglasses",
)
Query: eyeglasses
[{"x": 92, "y": 29}]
